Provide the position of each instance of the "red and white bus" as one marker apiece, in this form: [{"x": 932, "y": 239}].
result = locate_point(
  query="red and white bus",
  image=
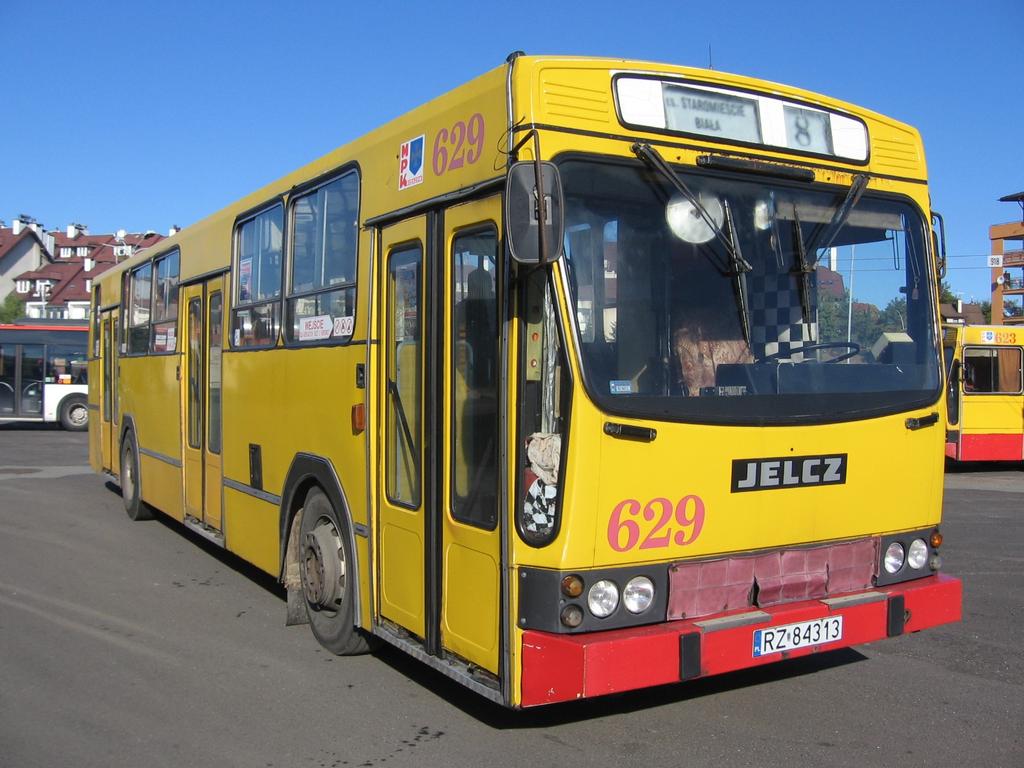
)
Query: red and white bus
[{"x": 43, "y": 372}]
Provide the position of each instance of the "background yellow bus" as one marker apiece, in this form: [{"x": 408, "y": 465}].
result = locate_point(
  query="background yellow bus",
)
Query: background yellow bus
[
  {"x": 985, "y": 398},
  {"x": 558, "y": 382}
]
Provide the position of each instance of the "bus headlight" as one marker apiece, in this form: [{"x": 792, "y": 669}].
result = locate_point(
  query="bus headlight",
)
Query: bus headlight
[
  {"x": 638, "y": 594},
  {"x": 603, "y": 598},
  {"x": 917, "y": 554},
  {"x": 893, "y": 558}
]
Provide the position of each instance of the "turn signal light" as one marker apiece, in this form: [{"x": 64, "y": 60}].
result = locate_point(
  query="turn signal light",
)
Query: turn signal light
[
  {"x": 358, "y": 418},
  {"x": 936, "y": 540},
  {"x": 572, "y": 585}
]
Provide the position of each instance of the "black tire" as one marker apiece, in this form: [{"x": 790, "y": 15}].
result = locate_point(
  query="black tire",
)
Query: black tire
[
  {"x": 74, "y": 413},
  {"x": 130, "y": 492},
  {"x": 328, "y": 577}
]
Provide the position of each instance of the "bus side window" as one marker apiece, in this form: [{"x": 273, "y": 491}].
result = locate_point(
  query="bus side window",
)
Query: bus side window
[
  {"x": 990, "y": 370},
  {"x": 475, "y": 378},
  {"x": 545, "y": 399}
]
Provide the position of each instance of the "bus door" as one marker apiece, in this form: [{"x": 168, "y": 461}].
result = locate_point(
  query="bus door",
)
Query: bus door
[
  {"x": 113, "y": 386},
  {"x": 401, "y": 525},
  {"x": 21, "y": 380},
  {"x": 470, "y": 531},
  {"x": 201, "y": 400},
  {"x": 107, "y": 447},
  {"x": 993, "y": 405}
]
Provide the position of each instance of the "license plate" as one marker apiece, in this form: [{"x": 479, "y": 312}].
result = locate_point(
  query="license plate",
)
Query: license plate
[{"x": 789, "y": 637}]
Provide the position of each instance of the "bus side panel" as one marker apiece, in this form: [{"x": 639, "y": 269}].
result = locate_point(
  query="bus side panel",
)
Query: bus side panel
[
  {"x": 318, "y": 414},
  {"x": 992, "y": 427},
  {"x": 53, "y": 396},
  {"x": 250, "y": 527},
  {"x": 284, "y": 402},
  {"x": 255, "y": 456}
]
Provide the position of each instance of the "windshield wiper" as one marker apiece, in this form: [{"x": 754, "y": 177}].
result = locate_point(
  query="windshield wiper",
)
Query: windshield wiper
[
  {"x": 831, "y": 231},
  {"x": 804, "y": 266},
  {"x": 738, "y": 267},
  {"x": 803, "y": 269}
]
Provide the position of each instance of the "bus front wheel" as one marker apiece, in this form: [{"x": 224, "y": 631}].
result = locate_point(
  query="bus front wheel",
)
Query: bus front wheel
[
  {"x": 328, "y": 575},
  {"x": 130, "y": 492}
]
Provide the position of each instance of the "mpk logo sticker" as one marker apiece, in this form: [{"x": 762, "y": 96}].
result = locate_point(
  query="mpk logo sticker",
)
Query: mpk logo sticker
[{"x": 410, "y": 162}]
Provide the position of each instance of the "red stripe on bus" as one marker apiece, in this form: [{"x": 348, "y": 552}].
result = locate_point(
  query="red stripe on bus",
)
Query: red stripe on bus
[
  {"x": 992, "y": 447},
  {"x": 4, "y": 327}
]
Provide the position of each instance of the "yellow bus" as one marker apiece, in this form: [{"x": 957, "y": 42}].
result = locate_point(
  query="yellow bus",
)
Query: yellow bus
[
  {"x": 587, "y": 376},
  {"x": 985, "y": 392}
]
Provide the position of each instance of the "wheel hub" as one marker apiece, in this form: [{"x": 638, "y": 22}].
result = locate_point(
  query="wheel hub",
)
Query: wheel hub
[
  {"x": 323, "y": 567},
  {"x": 78, "y": 414},
  {"x": 127, "y": 476}
]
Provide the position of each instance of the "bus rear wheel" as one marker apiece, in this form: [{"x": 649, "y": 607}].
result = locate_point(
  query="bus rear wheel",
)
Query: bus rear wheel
[
  {"x": 326, "y": 567},
  {"x": 130, "y": 492},
  {"x": 74, "y": 413}
]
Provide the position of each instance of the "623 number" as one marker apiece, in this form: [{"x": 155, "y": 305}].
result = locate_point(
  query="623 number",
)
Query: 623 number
[
  {"x": 461, "y": 145},
  {"x": 629, "y": 519}
]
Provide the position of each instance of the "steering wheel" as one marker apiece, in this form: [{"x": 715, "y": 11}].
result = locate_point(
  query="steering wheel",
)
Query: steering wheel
[{"x": 853, "y": 346}]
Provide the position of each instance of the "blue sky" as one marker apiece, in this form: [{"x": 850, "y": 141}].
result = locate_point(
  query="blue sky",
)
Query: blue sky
[{"x": 144, "y": 115}]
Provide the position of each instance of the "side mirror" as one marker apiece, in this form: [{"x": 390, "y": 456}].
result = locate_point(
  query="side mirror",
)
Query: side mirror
[
  {"x": 939, "y": 242},
  {"x": 527, "y": 242}
]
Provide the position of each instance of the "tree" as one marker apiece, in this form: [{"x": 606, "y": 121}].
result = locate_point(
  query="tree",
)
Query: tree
[
  {"x": 986, "y": 310},
  {"x": 946, "y": 295},
  {"x": 894, "y": 316},
  {"x": 11, "y": 308}
]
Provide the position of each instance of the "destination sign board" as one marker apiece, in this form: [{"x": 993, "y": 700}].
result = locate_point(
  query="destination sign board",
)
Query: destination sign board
[
  {"x": 738, "y": 116},
  {"x": 713, "y": 114}
]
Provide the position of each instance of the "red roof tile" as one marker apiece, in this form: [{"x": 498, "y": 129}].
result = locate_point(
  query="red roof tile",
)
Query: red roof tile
[{"x": 68, "y": 273}]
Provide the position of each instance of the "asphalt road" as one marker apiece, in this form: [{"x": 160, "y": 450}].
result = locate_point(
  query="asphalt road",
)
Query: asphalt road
[{"x": 137, "y": 644}]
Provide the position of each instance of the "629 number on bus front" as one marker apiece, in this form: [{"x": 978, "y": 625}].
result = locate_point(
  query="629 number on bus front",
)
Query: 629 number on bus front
[{"x": 656, "y": 524}]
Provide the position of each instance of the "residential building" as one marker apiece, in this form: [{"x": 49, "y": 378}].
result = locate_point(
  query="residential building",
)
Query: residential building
[
  {"x": 24, "y": 246},
  {"x": 60, "y": 282},
  {"x": 963, "y": 314}
]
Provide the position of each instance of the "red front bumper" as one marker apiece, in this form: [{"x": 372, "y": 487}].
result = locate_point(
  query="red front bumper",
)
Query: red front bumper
[{"x": 566, "y": 667}]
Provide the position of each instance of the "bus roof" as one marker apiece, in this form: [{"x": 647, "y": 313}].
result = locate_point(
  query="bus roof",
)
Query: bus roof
[{"x": 552, "y": 92}]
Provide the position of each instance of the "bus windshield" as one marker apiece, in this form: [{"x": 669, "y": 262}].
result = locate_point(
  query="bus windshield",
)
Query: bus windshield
[{"x": 748, "y": 301}]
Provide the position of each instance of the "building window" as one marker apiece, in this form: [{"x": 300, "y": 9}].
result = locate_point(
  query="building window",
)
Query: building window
[
  {"x": 82, "y": 251},
  {"x": 322, "y": 293},
  {"x": 23, "y": 286},
  {"x": 256, "y": 317},
  {"x": 66, "y": 252}
]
